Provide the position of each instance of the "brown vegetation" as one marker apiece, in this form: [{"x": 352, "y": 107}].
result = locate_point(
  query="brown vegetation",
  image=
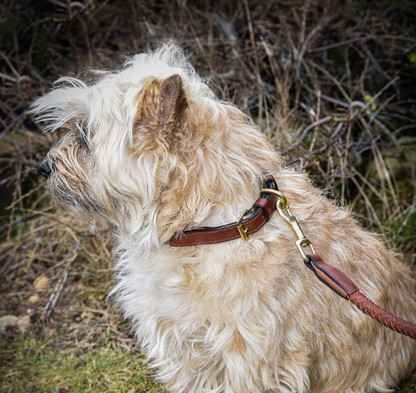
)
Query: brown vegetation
[{"x": 330, "y": 82}]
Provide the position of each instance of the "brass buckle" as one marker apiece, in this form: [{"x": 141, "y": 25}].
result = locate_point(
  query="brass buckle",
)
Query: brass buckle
[{"x": 241, "y": 229}]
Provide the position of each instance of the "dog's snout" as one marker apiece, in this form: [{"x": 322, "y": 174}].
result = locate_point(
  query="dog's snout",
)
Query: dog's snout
[{"x": 45, "y": 168}]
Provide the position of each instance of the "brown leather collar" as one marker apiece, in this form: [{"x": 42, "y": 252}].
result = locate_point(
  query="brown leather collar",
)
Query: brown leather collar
[{"x": 258, "y": 215}]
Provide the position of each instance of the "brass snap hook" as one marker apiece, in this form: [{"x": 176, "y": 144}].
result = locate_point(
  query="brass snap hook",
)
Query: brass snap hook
[{"x": 282, "y": 207}]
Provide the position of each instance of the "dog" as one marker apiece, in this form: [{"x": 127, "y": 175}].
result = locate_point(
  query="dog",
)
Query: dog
[{"x": 150, "y": 149}]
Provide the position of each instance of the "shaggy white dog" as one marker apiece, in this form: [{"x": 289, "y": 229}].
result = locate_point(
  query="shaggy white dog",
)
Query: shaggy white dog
[{"x": 151, "y": 149}]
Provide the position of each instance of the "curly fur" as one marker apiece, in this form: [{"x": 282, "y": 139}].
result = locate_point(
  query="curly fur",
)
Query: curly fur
[{"x": 151, "y": 149}]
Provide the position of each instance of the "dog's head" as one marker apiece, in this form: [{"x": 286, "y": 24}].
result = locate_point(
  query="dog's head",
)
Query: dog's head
[{"x": 150, "y": 146}]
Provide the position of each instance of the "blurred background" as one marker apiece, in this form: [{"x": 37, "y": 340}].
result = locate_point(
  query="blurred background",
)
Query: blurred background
[{"x": 331, "y": 83}]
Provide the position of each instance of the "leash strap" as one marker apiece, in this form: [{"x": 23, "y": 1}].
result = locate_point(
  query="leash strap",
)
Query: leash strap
[
  {"x": 344, "y": 287},
  {"x": 335, "y": 279}
]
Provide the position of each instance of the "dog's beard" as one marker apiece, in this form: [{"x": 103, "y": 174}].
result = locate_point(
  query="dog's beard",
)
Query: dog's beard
[{"x": 77, "y": 196}]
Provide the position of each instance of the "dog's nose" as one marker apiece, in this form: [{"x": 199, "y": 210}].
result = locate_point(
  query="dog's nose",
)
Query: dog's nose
[{"x": 45, "y": 168}]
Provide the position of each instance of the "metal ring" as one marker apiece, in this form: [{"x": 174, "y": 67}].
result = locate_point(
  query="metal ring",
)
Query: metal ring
[
  {"x": 282, "y": 198},
  {"x": 301, "y": 243}
]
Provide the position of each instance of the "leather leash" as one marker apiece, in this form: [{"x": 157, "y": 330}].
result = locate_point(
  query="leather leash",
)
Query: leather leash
[
  {"x": 259, "y": 214},
  {"x": 338, "y": 281},
  {"x": 344, "y": 287}
]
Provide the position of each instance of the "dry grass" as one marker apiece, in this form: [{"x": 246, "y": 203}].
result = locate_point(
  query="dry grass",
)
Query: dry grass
[{"x": 331, "y": 84}]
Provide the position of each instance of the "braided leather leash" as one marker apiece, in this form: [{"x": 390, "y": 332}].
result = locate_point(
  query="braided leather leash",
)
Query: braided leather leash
[
  {"x": 344, "y": 287},
  {"x": 335, "y": 279}
]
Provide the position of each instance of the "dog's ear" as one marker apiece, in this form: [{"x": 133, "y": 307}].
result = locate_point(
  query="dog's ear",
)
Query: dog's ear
[{"x": 161, "y": 112}]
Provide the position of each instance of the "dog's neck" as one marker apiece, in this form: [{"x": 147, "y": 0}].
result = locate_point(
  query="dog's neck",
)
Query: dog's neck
[{"x": 249, "y": 222}]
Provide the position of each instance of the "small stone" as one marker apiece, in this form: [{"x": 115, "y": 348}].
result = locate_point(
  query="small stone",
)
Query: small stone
[
  {"x": 34, "y": 299},
  {"x": 7, "y": 320},
  {"x": 40, "y": 282}
]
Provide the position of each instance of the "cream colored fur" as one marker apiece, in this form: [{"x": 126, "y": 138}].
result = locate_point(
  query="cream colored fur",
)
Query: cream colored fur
[{"x": 155, "y": 154}]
